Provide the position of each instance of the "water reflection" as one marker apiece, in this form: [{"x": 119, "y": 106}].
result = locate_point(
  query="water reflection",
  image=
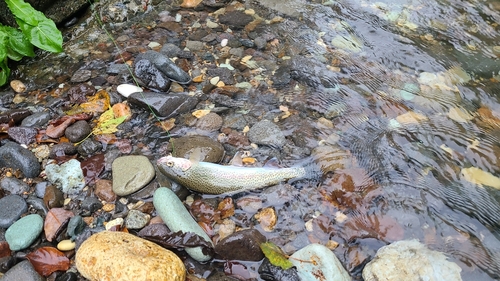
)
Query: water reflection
[{"x": 407, "y": 86}]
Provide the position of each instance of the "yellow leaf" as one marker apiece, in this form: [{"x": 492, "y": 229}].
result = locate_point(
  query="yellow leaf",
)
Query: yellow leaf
[
  {"x": 275, "y": 255},
  {"x": 107, "y": 123},
  {"x": 200, "y": 113}
]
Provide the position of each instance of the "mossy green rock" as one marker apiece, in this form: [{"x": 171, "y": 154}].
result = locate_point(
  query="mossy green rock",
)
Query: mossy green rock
[{"x": 23, "y": 232}]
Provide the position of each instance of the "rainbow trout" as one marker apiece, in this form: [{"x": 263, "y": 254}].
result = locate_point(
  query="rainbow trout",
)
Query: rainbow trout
[{"x": 212, "y": 178}]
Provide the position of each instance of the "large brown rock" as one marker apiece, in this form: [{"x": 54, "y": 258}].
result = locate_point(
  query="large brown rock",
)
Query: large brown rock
[{"x": 119, "y": 256}]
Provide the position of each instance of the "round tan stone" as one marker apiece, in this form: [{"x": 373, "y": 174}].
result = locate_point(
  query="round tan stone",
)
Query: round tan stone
[{"x": 119, "y": 256}]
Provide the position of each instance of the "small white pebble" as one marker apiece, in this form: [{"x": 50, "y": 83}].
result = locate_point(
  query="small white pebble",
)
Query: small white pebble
[
  {"x": 214, "y": 80},
  {"x": 223, "y": 43},
  {"x": 127, "y": 89},
  {"x": 178, "y": 17},
  {"x": 153, "y": 45}
]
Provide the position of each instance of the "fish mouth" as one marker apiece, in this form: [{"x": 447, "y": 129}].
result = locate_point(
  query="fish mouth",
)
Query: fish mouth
[{"x": 162, "y": 160}]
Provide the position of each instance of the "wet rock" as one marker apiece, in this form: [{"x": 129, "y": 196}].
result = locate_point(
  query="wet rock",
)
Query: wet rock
[
  {"x": 37, "y": 204},
  {"x": 81, "y": 75},
  {"x": 151, "y": 76},
  {"x": 40, "y": 189},
  {"x": 12, "y": 206},
  {"x": 22, "y": 135},
  {"x": 117, "y": 68},
  {"x": 53, "y": 197},
  {"x": 15, "y": 156},
  {"x": 246, "y": 241},
  {"x": 131, "y": 173},
  {"x": 68, "y": 176},
  {"x": 89, "y": 147},
  {"x": 139, "y": 259},
  {"x": 165, "y": 65},
  {"x": 267, "y": 133},
  {"x": 14, "y": 186},
  {"x": 164, "y": 105},
  {"x": 260, "y": 43},
  {"x": 194, "y": 45},
  {"x": 91, "y": 204},
  {"x": 419, "y": 263},
  {"x": 281, "y": 77},
  {"x": 23, "y": 232},
  {"x": 7, "y": 262},
  {"x": 67, "y": 276},
  {"x": 177, "y": 218},
  {"x": 272, "y": 272},
  {"x": 62, "y": 149},
  {"x": 170, "y": 50},
  {"x": 312, "y": 72},
  {"x": 78, "y": 131},
  {"x": 324, "y": 263},
  {"x": 211, "y": 122},
  {"x": 22, "y": 271},
  {"x": 225, "y": 74},
  {"x": 235, "y": 19},
  {"x": 136, "y": 219},
  {"x": 37, "y": 120},
  {"x": 76, "y": 225},
  {"x": 211, "y": 151},
  {"x": 104, "y": 190}
]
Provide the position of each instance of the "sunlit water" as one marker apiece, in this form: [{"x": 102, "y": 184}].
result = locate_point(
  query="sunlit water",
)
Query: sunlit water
[{"x": 398, "y": 100}]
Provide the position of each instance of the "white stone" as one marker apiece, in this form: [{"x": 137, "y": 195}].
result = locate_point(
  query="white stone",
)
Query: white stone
[
  {"x": 317, "y": 260},
  {"x": 127, "y": 89},
  {"x": 418, "y": 262},
  {"x": 223, "y": 43}
]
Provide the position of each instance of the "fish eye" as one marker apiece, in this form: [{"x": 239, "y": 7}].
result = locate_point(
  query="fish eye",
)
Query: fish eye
[{"x": 170, "y": 163}]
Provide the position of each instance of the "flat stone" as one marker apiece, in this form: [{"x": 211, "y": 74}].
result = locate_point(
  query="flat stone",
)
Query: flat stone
[
  {"x": 324, "y": 263},
  {"x": 22, "y": 271},
  {"x": 136, "y": 219},
  {"x": 12, "y": 206},
  {"x": 23, "y": 232},
  {"x": 37, "y": 120},
  {"x": 131, "y": 173},
  {"x": 235, "y": 19},
  {"x": 139, "y": 259},
  {"x": 177, "y": 218},
  {"x": 419, "y": 262},
  {"x": 267, "y": 133},
  {"x": 68, "y": 176},
  {"x": 14, "y": 156},
  {"x": 164, "y": 105},
  {"x": 246, "y": 241},
  {"x": 14, "y": 185}
]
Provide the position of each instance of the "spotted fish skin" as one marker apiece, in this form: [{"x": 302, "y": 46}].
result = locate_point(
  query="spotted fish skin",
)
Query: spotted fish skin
[{"x": 212, "y": 178}]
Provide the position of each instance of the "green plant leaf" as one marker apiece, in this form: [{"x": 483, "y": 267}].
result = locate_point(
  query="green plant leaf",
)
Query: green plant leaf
[
  {"x": 275, "y": 255},
  {"x": 23, "y": 11},
  {"x": 45, "y": 35},
  {"x": 18, "y": 44},
  {"x": 4, "y": 74}
]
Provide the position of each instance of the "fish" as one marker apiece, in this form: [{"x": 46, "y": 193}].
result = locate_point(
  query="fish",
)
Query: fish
[{"x": 210, "y": 178}]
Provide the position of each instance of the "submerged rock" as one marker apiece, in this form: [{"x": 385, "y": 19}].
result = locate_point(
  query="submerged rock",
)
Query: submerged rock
[
  {"x": 162, "y": 104},
  {"x": 266, "y": 132},
  {"x": 211, "y": 150},
  {"x": 111, "y": 255},
  {"x": 246, "y": 241},
  {"x": 317, "y": 260},
  {"x": 419, "y": 263}
]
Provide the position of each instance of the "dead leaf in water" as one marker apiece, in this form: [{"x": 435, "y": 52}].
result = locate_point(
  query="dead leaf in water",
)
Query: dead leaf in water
[
  {"x": 477, "y": 176},
  {"x": 108, "y": 123},
  {"x": 190, "y": 3},
  {"x": 275, "y": 255},
  {"x": 47, "y": 260}
]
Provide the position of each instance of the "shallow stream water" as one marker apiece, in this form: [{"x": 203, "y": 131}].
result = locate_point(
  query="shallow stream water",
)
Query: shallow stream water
[{"x": 399, "y": 104}]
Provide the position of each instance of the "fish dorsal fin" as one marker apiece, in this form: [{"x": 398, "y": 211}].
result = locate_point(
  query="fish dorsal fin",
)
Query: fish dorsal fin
[
  {"x": 272, "y": 163},
  {"x": 195, "y": 155},
  {"x": 237, "y": 159}
]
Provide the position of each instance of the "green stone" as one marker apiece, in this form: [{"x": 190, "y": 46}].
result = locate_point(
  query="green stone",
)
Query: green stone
[{"x": 23, "y": 232}]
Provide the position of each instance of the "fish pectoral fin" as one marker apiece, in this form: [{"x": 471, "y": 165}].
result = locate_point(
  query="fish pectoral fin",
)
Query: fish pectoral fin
[{"x": 272, "y": 163}]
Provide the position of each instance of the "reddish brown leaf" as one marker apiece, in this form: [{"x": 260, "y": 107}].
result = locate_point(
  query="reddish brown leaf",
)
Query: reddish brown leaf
[
  {"x": 57, "y": 127},
  {"x": 47, "y": 260},
  {"x": 55, "y": 220},
  {"x": 92, "y": 167},
  {"x": 203, "y": 211},
  {"x": 4, "y": 249}
]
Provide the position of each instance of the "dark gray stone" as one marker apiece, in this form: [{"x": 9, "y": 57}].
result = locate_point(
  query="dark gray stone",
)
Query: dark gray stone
[
  {"x": 165, "y": 65},
  {"x": 22, "y": 271},
  {"x": 81, "y": 75},
  {"x": 235, "y": 19},
  {"x": 62, "y": 149},
  {"x": 76, "y": 226},
  {"x": 12, "y": 206},
  {"x": 37, "y": 204},
  {"x": 40, "y": 188},
  {"x": 225, "y": 74},
  {"x": 162, "y": 104},
  {"x": 89, "y": 147},
  {"x": 78, "y": 131},
  {"x": 37, "y": 120},
  {"x": 246, "y": 241},
  {"x": 151, "y": 76},
  {"x": 117, "y": 68},
  {"x": 91, "y": 204},
  {"x": 271, "y": 272},
  {"x": 22, "y": 135},
  {"x": 14, "y": 185},
  {"x": 67, "y": 276},
  {"x": 170, "y": 50},
  {"x": 266, "y": 132},
  {"x": 14, "y": 156}
]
